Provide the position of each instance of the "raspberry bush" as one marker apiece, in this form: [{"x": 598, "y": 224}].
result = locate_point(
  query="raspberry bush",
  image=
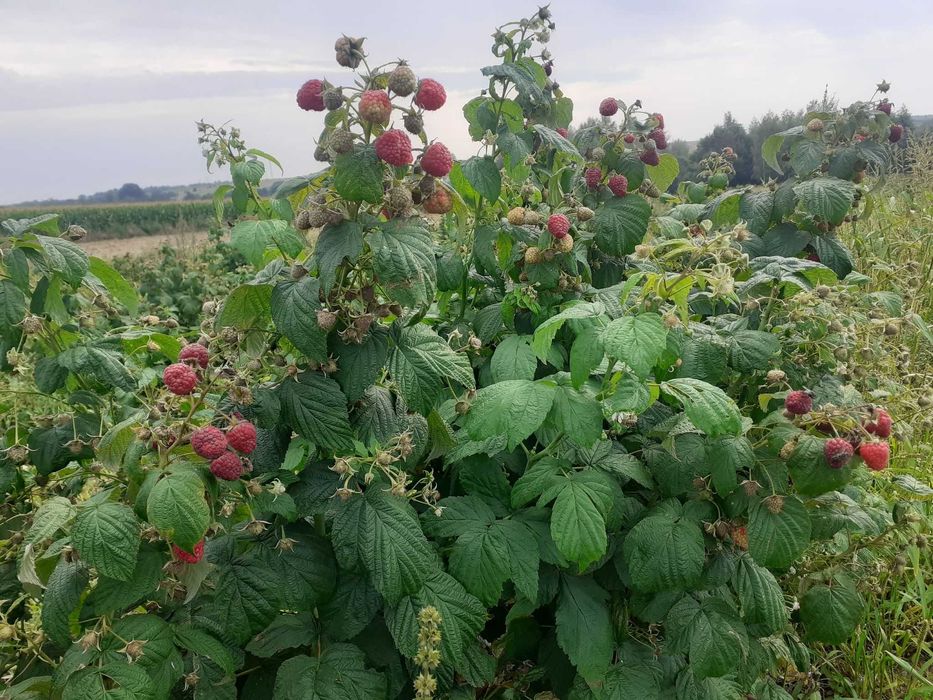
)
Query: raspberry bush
[{"x": 525, "y": 424}]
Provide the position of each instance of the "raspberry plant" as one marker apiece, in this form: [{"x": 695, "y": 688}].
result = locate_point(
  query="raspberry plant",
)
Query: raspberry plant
[{"x": 516, "y": 424}]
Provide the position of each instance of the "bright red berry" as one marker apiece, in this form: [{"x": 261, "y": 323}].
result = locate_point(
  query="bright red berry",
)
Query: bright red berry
[
  {"x": 189, "y": 557},
  {"x": 227, "y": 467},
  {"x": 195, "y": 353},
  {"x": 659, "y": 118},
  {"x": 431, "y": 95},
  {"x": 593, "y": 177},
  {"x": 311, "y": 96},
  {"x": 558, "y": 225},
  {"x": 619, "y": 185},
  {"x": 180, "y": 379},
  {"x": 838, "y": 452},
  {"x": 209, "y": 442},
  {"x": 659, "y": 138},
  {"x": 608, "y": 107},
  {"x": 649, "y": 157},
  {"x": 875, "y": 455},
  {"x": 242, "y": 437},
  {"x": 375, "y": 107},
  {"x": 798, "y": 402},
  {"x": 563, "y": 132},
  {"x": 437, "y": 160},
  {"x": 885, "y": 106},
  {"x": 438, "y": 203},
  {"x": 896, "y": 132},
  {"x": 394, "y": 147},
  {"x": 629, "y": 138},
  {"x": 881, "y": 426}
]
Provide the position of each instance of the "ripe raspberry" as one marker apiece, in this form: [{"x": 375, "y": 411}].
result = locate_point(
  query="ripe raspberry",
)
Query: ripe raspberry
[
  {"x": 431, "y": 95},
  {"x": 227, "y": 467},
  {"x": 189, "y": 557},
  {"x": 209, "y": 442},
  {"x": 896, "y": 132},
  {"x": 311, "y": 96},
  {"x": 649, "y": 157},
  {"x": 881, "y": 426},
  {"x": 562, "y": 131},
  {"x": 438, "y": 203},
  {"x": 608, "y": 107},
  {"x": 875, "y": 455},
  {"x": 242, "y": 437},
  {"x": 195, "y": 353},
  {"x": 798, "y": 402},
  {"x": 402, "y": 81},
  {"x": 593, "y": 176},
  {"x": 885, "y": 106},
  {"x": 838, "y": 452},
  {"x": 414, "y": 124},
  {"x": 394, "y": 147},
  {"x": 180, "y": 379},
  {"x": 660, "y": 140},
  {"x": 619, "y": 185},
  {"x": 558, "y": 225},
  {"x": 437, "y": 160},
  {"x": 659, "y": 118},
  {"x": 629, "y": 138},
  {"x": 375, "y": 107}
]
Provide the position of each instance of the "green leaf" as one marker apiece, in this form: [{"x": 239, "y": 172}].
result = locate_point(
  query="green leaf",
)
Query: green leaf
[
  {"x": 761, "y": 596},
  {"x": 584, "y": 628},
  {"x": 106, "y": 536},
  {"x": 65, "y": 258},
  {"x": 339, "y": 673},
  {"x": 480, "y": 561},
  {"x": 113, "y": 681},
  {"x": 727, "y": 456},
  {"x": 756, "y": 209},
  {"x": 62, "y": 595},
  {"x": 317, "y": 410},
  {"x": 250, "y": 171},
  {"x": 806, "y": 155},
  {"x": 422, "y": 362},
  {"x": 254, "y": 237},
  {"x": 577, "y": 415},
  {"x": 777, "y": 540},
  {"x": 752, "y": 350},
  {"x": 578, "y": 516},
  {"x": 116, "y": 441},
  {"x": 710, "y": 633},
  {"x": 404, "y": 262},
  {"x": 831, "y": 613},
  {"x": 483, "y": 174},
  {"x": 536, "y": 480},
  {"x": 553, "y": 139},
  {"x": 246, "y": 598},
  {"x": 638, "y": 341},
  {"x": 834, "y": 254},
  {"x": 665, "y": 172},
  {"x": 246, "y": 307},
  {"x": 176, "y": 507},
  {"x": 53, "y": 515},
  {"x": 586, "y": 354},
  {"x": 12, "y": 305},
  {"x": 111, "y": 595},
  {"x": 203, "y": 644},
  {"x": 664, "y": 552},
  {"x": 514, "y": 408},
  {"x": 621, "y": 224},
  {"x": 708, "y": 407},
  {"x": 513, "y": 358},
  {"x": 358, "y": 175},
  {"x": 286, "y": 631},
  {"x": 294, "y": 312},
  {"x": 547, "y": 331},
  {"x": 336, "y": 243},
  {"x": 114, "y": 282},
  {"x": 826, "y": 197}
]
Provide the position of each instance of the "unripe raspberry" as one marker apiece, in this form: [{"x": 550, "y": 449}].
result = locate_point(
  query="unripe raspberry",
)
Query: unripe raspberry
[
  {"x": 564, "y": 244},
  {"x": 593, "y": 176},
  {"x": 437, "y": 160},
  {"x": 532, "y": 218},
  {"x": 881, "y": 425},
  {"x": 227, "y": 467},
  {"x": 618, "y": 185},
  {"x": 608, "y": 107},
  {"x": 349, "y": 51},
  {"x": 333, "y": 99},
  {"x": 402, "y": 81},
  {"x": 532, "y": 255},
  {"x": 180, "y": 379},
  {"x": 209, "y": 442},
  {"x": 75, "y": 232},
  {"x": 875, "y": 455},
  {"x": 398, "y": 199},
  {"x": 584, "y": 213},
  {"x": 375, "y": 107},
  {"x": 838, "y": 452},
  {"x": 192, "y": 557},
  {"x": 775, "y": 376},
  {"x": 896, "y": 132},
  {"x": 340, "y": 141},
  {"x": 558, "y": 225},
  {"x": 414, "y": 124},
  {"x": 798, "y": 402},
  {"x": 629, "y": 138},
  {"x": 438, "y": 203},
  {"x": 516, "y": 216},
  {"x": 194, "y": 354},
  {"x": 815, "y": 125},
  {"x": 310, "y": 96},
  {"x": 242, "y": 437},
  {"x": 394, "y": 147},
  {"x": 431, "y": 95}
]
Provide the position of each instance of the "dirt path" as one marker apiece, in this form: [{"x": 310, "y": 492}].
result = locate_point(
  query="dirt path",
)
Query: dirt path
[{"x": 115, "y": 248}]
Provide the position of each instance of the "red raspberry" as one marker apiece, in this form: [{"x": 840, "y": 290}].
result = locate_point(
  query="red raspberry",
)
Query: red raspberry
[
  {"x": 896, "y": 132},
  {"x": 563, "y": 132},
  {"x": 593, "y": 177},
  {"x": 437, "y": 160},
  {"x": 394, "y": 147},
  {"x": 209, "y": 442},
  {"x": 242, "y": 437},
  {"x": 629, "y": 138},
  {"x": 311, "y": 96},
  {"x": 558, "y": 225},
  {"x": 608, "y": 107},
  {"x": 798, "y": 402},
  {"x": 659, "y": 118},
  {"x": 875, "y": 455},
  {"x": 439, "y": 202},
  {"x": 180, "y": 379},
  {"x": 227, "y": 467},
  {"x": 881, "y": 426},
  {"x": 838, "y": 452},
  {"x": 649, "y": 157},
  {"x": 375, "y": 107},
  {"x": 431, "y": 95},
  {"x": 813, "y": 257},
  {"x": 195, "y": 353},
  {"x": 619, "y": 185},
  {"x": 885, "y": 106},
  {"x": 189, "y": 557},
  {"x": 657, "y": 135}
]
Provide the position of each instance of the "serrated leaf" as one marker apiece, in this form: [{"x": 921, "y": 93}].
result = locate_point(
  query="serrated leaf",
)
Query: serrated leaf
[
  {"x": 831, "y": 613},
  {"x": 777, "y": 540},
  {"x": 578, "y": 516},
  {"x": 664, "y": 552},
  {"x": 247, "y": 307},
  {"x": 113, "y": 681},
  {"x": 577, "y": 415},
  {"x": 203, "y": 644},
  {"x": 254, "y": 237},
  {"x": 710, "y": 633},
  {"x": 708, "y": 407},
  {"x": 176, "y": 507},
  {"x": 336, "y": 243},
  {"x": 114, "y": 283},
  {"x": 245, "y": 598},
  {"x": 294, "y": 311},
  {"x": 339, "y": 673},
  {"x": 514, "y": 408},
  {"x": 829, "y": 198},
  {"x": 358, "y": 175},
  {"x": 638, "y": 341},
  {"x": 584, "y": 630},
  {"x": 62, "y": 595},
  {"x": 106, "y": 536},
  {"x": 49, "y": 518},
  {"x": 404, "y": 262},
  {"x": 317, "y": 409},
  {"x": 621, "y": 223},
  {"x": 761, "y": 596},
  {"x": 112, "y": 595},
  {"x": 420, "y": 364},
  {"x": 513, "y": 358},
  {"x": 479, "y": 559},
  {"x": 65, "y": 258},
  {"x": 483, "y": 175},
  {"x": 547, "y": 331},
  {"x": 359, "y": 365},
  {"x": 665, "y": 172}
]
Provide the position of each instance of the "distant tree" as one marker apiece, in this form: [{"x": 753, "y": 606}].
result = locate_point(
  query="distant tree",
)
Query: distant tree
[
  {"x": 682, "y": 150},
  {"x": 131, "y": 192},
  {"x": 729, "y": 133},
  {"x": 763, "y": 127}
]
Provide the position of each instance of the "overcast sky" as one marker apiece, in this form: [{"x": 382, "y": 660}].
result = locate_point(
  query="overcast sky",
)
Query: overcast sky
[{"x": 95, "y": 94}]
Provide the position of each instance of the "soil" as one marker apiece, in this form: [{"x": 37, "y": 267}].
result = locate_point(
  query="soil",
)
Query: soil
[{"x": 138, "y": 245}]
